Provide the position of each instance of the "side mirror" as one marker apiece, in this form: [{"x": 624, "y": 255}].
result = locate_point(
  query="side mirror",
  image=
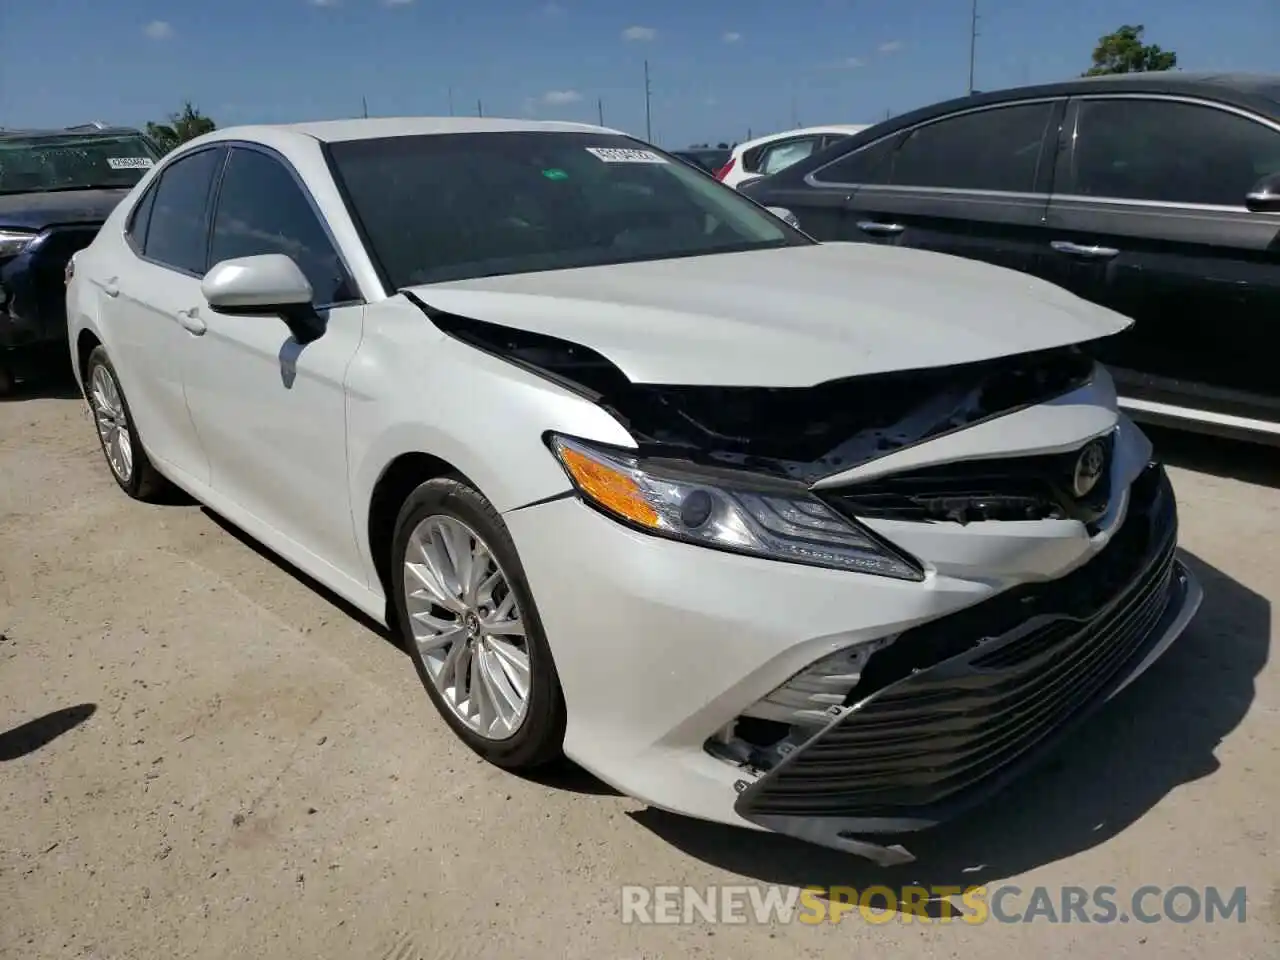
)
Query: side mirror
[
  {"x": 782, "y": 213},
  {"x": 1265, "y": 195},
  {"x": 267, "y": 285}
]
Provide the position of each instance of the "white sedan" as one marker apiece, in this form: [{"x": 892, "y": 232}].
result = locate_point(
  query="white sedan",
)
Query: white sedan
[{"x": 825, "y": 539}]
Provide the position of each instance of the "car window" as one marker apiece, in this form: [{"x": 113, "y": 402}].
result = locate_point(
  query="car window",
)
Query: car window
[
  {"x": 140, "y": 218},
  {"x": 262, "y": 209},
  {"x": 42, "y": 163},
  {"x": 454, "y": 206},
  {"x": 868, "y": 165},
  {"x": 178, "y": 231},
  {"x": 783, "y": 155},
  {"x": 1168, "y": 151},
  {"x": 996, "y": 149}
]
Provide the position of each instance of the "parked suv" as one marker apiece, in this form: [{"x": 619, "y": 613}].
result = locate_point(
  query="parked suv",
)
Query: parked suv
[
  {"x": 56, "y": 189},
  {"x": 1157, "y": 195}
]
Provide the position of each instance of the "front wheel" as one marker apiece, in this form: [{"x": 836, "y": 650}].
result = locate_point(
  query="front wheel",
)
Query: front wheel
[
  {"x": 129, "y": 464},
  {"x": 468, "y": 620}
]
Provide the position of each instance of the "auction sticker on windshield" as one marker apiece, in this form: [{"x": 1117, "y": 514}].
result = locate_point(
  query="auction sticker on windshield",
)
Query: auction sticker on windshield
[
  {"x": 130, "y": 163},
  {"x": 621, "y": 155}
]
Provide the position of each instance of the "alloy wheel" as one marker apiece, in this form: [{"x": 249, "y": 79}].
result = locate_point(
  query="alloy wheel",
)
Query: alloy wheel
[
  {"x": 465, "y": 622},
  {"x": 112, "y": 421}
]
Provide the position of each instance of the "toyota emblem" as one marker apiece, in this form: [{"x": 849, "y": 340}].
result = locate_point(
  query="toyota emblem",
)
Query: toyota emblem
[{"x": 1089, "y": 468}]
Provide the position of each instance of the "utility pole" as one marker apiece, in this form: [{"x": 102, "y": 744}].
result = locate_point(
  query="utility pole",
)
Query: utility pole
[
  {"x": 364, "y": 106},
  {"x": 648, "y": 116},
  {"x": 479, "y": 109},
  {"x": 600, "y": 109},
  {"x": 973, "y": 42},
  {"x": 451, "y": 101}
]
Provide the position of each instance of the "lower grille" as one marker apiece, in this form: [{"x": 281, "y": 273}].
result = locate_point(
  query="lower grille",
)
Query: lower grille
[{"x": 921, "y": 744}]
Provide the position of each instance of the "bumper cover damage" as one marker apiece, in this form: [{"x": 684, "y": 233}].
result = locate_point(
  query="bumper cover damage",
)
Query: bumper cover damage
[{"x": 951, "y": 712}]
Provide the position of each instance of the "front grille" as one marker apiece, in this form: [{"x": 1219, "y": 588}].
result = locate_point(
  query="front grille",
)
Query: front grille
[
  {"x": 923, "y": 743},
  {"x": 1016, "y": 488}
]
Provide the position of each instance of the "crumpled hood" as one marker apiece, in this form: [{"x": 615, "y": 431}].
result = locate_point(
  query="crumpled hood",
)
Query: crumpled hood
[
  {"x": 789, "y": 317},
  {"x": 35, "y": 211}
]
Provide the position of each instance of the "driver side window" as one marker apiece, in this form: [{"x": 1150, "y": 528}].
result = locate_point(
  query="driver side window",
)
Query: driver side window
[{"x": 262, "y": 209}]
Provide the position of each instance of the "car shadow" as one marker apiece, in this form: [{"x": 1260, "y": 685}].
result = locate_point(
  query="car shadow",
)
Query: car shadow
[
  {"x": 55, "y": 382},
  {"x": 1248, "y": 462},
  {"x": 1157, "y": 735},
  {"x": 31, "y": 736}
]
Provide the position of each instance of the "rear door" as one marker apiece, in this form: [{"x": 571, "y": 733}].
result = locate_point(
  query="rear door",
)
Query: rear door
[
  {"x": 1148, "y": 218},
  {"x": 973, "y": 184}
]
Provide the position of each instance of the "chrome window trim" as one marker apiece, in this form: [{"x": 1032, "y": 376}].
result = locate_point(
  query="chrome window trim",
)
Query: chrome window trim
[{"x": 907, "y": 131}]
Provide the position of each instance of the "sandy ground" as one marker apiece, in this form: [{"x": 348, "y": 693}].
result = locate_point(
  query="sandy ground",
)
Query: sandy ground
[{"x": 237, "y": 766}]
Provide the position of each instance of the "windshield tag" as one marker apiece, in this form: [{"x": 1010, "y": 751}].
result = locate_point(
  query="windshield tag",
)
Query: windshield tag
[
  {"x": 619, "y": 155},
  {"x": 130, "y": 163}
]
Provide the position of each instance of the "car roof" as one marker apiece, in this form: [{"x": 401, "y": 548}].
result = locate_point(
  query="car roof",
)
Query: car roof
[
  {"x": 89, "y": 130},
  {"x": 1255, "y": 91},
  {"x": 336, "y": 131},
  {"x": 847, "y": 128}
]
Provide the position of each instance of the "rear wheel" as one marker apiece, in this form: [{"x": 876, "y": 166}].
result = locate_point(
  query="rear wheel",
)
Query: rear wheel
[
  {"x": 121, "y": 446},
  {"x": 468, "y": 620}
]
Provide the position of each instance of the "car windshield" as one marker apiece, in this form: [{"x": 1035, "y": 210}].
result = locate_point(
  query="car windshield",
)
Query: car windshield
[
  {"x": 446, "y": 207},
  {"x": 47, "y": 162}
]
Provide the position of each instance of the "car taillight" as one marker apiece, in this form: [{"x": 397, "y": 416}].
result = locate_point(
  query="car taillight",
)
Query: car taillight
[{"x": 724, "y": 171}]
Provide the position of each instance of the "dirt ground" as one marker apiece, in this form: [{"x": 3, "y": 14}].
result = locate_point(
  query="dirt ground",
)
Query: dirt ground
[{"x": 232, "y": 764}]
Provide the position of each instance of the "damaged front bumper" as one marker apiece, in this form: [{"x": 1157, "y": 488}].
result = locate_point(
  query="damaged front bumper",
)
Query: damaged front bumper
[{"x": 949, "y": 713}]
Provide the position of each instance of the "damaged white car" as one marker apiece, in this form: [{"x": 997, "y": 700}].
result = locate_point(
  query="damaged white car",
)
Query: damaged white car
[{"x": 826, "y": 539}]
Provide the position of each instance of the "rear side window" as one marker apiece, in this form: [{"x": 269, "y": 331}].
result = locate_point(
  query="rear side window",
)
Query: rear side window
[
  {"x": 262, "y": 209},
  {"x": 865, "y": 166},
  {"x": 996, "y": 149},
  {"x": 1168, "y": 151},
  {"x": 177, "y": 235},
  {"x": 779, "y": 157},
  {"x": 141, "y": 218}
]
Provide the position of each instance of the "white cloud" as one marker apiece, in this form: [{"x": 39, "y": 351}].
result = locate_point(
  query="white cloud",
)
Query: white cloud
[
  {"x": 324, "y": 3},
  {"x": 158, "y": 30},
  {"x": 848, "y": 63},
  {"x": 396, "y": 3},
  {"x": 553, "y": 10},
  {"x": 731, "y": 37},
  {"x": 893, "y": 46},
  {"x": 561, "y": 97},
  {"x": 639, "y": 33}
]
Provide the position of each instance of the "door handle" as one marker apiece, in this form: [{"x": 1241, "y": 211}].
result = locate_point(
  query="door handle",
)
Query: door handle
[
  {"x": 191, "y": 322},
  {"x": 880, "y": 229},
  {"x": 1078, "y": 250},
  {"x": 109, "y": 287}
]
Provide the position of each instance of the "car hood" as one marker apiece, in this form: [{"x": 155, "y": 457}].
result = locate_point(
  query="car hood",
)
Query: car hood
[
  {"x": 35, "y": 211},
  {"x": 787, "y": 317}
]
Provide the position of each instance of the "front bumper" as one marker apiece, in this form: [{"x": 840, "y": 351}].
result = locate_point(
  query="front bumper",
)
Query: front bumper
[
  {"x": 922, "y": 749},
  {"x": 659, "y": 645}
]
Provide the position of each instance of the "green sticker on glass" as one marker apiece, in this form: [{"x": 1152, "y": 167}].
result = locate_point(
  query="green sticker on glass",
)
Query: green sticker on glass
[{"x": 555, "y": 174}]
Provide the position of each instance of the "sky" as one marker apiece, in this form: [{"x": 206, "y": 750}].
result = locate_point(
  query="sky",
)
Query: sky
[{"x": 719, "y": 69}]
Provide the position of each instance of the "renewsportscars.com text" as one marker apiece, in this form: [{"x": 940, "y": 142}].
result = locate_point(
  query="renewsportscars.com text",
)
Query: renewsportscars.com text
[{"x": 748, "y": 903}]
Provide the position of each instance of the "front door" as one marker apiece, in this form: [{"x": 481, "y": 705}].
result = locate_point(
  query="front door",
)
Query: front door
[
  {"x": 271, "y": 411},
  {"x": 1148, "y": 218}
]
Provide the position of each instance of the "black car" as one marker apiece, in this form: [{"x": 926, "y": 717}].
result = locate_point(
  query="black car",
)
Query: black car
[
  {"x": 709, "y": 159},
  {"x": 1156, "y": 194},
  {"x": 56, "y": 189}
]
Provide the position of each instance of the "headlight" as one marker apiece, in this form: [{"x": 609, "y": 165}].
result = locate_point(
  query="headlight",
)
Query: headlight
[
  {"x": 13, "y": 242},
  {"x": 727, "y": 510}
]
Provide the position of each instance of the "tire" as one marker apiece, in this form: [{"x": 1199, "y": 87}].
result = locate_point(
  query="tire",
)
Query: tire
[
  {"x": 141, "y": 480},
  {"x": 446, "y": 505}
]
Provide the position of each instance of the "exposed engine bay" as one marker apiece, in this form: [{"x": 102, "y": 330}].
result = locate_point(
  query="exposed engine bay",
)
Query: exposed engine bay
[{"x": 802, "y": 434}]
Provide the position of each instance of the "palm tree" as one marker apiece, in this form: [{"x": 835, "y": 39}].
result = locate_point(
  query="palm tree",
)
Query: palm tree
[{"x": 180, "y": 127}]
